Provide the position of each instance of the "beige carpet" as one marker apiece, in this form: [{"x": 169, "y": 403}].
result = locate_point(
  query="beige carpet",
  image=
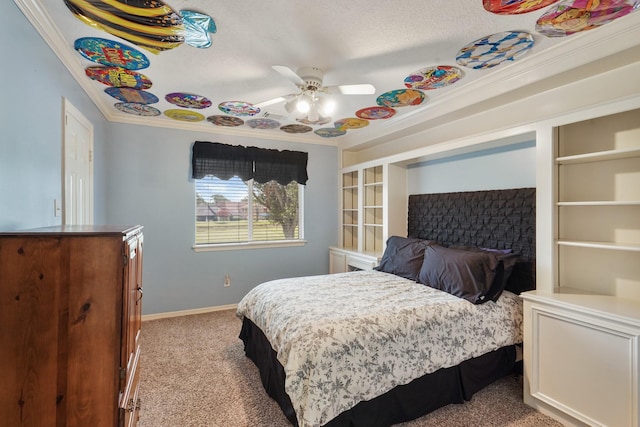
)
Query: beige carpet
[{"x": 195, "y": 374}]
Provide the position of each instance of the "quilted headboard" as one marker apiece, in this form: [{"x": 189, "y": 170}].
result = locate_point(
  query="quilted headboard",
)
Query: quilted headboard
[{"x": 499, "y": 219}]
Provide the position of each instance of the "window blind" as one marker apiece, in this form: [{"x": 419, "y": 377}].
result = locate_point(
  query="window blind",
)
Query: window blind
[{"x": 261, "y": 164}]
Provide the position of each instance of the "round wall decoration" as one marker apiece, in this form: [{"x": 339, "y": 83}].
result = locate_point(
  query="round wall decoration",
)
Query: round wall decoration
[
  {"x": 433, "y": 77},
  {"x": 227, "y": 121},
  {"x": 514, "y": 7},
  {"x": 118, "y": 77},
  {"x": 126, "y": 94},
  {"x": 350, "y": 123},
  {"x": 401, "y": 98},
  {"x": 188, "y": 100},
  {"x": 184, "y": 115},
  {"x": 150, "y": 24},
  {"x": 330, "y": 132},
  {"x": 376, "y": 113},
  {"x": 495, "y": 49},
  {"x": 238, "y": 108},
  {"x": 296, "y": 128},
  {"x": 107, "y": 52},
  {"x": 571, "y": 16},
  {"x": 137, "y": 109},
  {"x": 197, "y": 27},
  {"x": 263, "y": 123}
]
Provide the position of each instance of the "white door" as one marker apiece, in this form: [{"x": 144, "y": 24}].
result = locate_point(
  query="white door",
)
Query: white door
[{"x": 77, "y": 167}]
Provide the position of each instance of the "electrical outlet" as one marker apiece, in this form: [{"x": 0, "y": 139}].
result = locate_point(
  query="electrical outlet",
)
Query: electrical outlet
[{"x": 227, "y": 281}]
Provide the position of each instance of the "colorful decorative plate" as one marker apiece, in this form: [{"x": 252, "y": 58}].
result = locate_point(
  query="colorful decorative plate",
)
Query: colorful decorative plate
[
  {"x": 126, "y": 94},
  {"x": 110, "y": 53},
  {"x": 197, "y": 27},
  {"x": 238, "y": 108},
  {"x": 400, "y": 98},
  {"x": 514, "y": 7},
  {"x": 435, "y": 77},
  {"x": 571, "y": 16},
  {"x": 321, "y": 120},
  {"x": 137, "y": 109},
  {"x": 184, "y": 115},
  {"x": 118, "y": 77},
  {"x": 330, "y": 132},
  {"x": 227, "y": 121},
  {"x": 147, "y": 23},
  {"x": 188, "y": 100},
  {"x": 350, "y": 123},
  {"x": 296, "y": 128},
  {"x": 495, "y": 49},
  {"x": 263, "y": 123},
  {"x": 376, "y": 113}
]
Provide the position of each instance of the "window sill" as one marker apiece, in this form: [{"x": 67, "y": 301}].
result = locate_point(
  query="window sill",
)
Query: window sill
[{"x": 248, "y": 245}]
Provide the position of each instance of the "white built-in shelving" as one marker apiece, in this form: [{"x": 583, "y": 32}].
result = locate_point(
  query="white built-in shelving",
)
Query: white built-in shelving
[
  {"x": 598, "y": 205},
  {"x": 581, "y": 340},
  {"x": 373, "y": 207}
]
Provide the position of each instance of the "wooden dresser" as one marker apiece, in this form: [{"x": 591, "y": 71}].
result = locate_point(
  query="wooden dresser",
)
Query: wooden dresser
[{"x": 70, "y": 315}]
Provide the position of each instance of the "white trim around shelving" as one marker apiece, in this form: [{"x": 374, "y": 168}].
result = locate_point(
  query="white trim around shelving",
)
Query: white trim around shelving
[
  {"x": 599, "y": 156},
  {"x": 602, "y": 203},
  {"x": 634, "y": 247}
]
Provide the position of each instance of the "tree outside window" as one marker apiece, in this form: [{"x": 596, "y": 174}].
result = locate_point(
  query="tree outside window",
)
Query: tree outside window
[{"x": 234, "y": 211}]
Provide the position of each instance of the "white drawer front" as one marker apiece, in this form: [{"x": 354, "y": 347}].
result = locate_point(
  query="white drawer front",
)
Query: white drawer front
[{"x": 586, "y": 367}]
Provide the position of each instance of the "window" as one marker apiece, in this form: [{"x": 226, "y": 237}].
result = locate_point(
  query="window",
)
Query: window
[
  {"x": 232, "y": 212},
  {"x": 247, "y": 195}
]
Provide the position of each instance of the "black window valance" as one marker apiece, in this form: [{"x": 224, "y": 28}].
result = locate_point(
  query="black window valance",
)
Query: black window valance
[{"x": 260, "y": 164}]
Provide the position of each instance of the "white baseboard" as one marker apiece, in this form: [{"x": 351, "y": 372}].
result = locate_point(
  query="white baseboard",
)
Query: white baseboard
[{"x": 168, "y": 314}]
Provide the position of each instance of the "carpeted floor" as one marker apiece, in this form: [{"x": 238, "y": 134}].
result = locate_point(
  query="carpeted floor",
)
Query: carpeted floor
[{"x": 194, "y": 374}]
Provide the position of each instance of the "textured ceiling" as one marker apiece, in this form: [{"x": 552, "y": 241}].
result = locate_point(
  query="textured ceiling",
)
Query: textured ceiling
[{"x": 356, "y": 41}]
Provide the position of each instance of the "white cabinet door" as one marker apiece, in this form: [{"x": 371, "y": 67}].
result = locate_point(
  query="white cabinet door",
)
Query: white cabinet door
[
  {"x": 583, "y": 364},
  {"x": 337, "y": 262},
  {"x": 78, "y": 167}
]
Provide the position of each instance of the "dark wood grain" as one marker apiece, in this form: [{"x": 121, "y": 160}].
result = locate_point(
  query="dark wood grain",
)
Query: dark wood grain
[{"x": 69, "y": 318}]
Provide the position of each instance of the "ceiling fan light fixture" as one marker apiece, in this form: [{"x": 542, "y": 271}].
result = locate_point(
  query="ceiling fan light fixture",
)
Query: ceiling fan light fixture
[
  {"x": 310, "y": 103},
  {"x": 313, "y": 114},
  {"x": 304, "y": 104},
  {"x": 326, "y": 106}
]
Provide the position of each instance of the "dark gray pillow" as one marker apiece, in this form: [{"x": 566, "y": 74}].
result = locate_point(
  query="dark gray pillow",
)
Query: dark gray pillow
[
  {"x": 403, "y": 256},
  {"x": 465, "y": 274},
  {"x": 507, "y": 261}
]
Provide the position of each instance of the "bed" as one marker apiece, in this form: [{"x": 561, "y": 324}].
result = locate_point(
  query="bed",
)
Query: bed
[{"x": 437, "y": 321}]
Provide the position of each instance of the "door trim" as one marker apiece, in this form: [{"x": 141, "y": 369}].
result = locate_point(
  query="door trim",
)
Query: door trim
[{"x": 70, "y": 110}]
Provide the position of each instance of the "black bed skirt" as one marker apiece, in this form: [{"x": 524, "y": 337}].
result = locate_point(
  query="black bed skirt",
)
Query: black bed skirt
[{"x": 403, "y": 403}]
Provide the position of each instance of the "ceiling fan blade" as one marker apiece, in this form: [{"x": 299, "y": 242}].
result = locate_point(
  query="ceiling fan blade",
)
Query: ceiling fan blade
[
  {"x": 361, "y": 89},
  {"x": 290, "y": 105},
  {"x": 273, "y": 101},
  {"x": 289, "y": 74},
  {"x": 269, "y": 102}
]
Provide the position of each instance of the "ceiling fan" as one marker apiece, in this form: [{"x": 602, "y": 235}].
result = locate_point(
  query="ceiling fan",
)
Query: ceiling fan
[{"x": 310, "y": 101}]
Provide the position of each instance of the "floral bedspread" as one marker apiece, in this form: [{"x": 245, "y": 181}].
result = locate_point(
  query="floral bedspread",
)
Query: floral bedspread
[{"x": 344, "y": 338}]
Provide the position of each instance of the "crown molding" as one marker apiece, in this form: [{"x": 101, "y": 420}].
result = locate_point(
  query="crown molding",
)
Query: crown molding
[{"x": 577, "y": 51}]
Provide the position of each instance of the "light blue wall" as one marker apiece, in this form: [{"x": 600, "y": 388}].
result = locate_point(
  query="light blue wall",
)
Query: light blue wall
[
  {"x": 141, "y": 176},
  {"x": 512, "y": 166},
  {"x": 34, "y": 83},
  {"x": 149, "y": 183}
]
